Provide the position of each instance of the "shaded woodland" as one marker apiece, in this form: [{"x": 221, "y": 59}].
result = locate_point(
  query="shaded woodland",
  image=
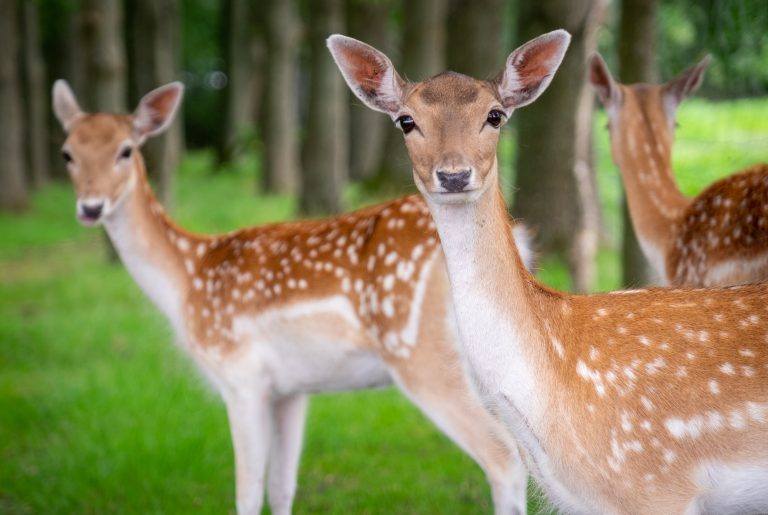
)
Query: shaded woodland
[{"x": 261, "y": 84}]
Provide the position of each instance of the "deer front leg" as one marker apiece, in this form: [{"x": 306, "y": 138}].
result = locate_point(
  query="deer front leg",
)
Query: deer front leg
[
  {"x": 289, "y": 414},
  {"x": 445, "y": 395},
  {"x": 250, "y": 422}
]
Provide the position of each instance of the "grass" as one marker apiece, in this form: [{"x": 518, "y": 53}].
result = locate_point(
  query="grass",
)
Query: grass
[{"x": 101, "y": 413}]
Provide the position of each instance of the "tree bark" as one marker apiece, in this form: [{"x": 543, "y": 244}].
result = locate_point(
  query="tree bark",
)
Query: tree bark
[
  {"x": 637, "y": 63},
  {"x": 325, "y": 167},
  {"x": 154, "y": 44},
  {"x": 236, "y": 34},
  {"x": 62, "y": 51},
  {"x": 475, "y": 37},
  {"x": 36, "y": 98},
  {"x": 369, "y": 22},
  {"x": 554, "y": 157},
  {"x": 13, "y": 188},
  {"x": 423, "y": 55},
  {"x": 101, "y": 23},
  {"x": 280, "y": 169}
]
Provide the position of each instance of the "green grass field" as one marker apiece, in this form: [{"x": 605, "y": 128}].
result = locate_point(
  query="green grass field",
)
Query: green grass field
[{"x": 101, "y": 413}]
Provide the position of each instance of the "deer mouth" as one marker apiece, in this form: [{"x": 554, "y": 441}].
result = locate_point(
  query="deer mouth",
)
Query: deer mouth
[{"x": 90, "y": 213}]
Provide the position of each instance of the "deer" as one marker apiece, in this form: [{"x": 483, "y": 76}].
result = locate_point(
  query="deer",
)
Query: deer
[
  {"x": 717, "y": 238},
  {"x": 273, "y": 313},
  {"x": 637, "y": 401}
]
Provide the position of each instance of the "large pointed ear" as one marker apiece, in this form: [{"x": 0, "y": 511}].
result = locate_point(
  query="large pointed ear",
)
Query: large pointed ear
[
  {"x": 368, "y": 72},
  {"x": 65, "y": 106},
  {"x": 685, "y": 83},
  {"x": 156, "y": 110},
  {"x": 601, "y": 79},
  {"x": 530, "y": 69}
]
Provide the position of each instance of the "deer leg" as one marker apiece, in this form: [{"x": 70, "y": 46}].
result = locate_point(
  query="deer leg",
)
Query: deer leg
[
  {"x": 250, "y": 422},
  {"x": 445, "y": 395},
  {"x": 287, "y": 433}
]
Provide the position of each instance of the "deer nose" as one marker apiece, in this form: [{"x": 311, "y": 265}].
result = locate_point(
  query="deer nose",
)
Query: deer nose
[
  {"x": 454, "y": 182},
  {"x": 92, "y": 211}
]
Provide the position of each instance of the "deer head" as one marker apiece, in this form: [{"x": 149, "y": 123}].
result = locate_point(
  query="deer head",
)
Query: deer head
[
  {"x": 450, "y": 122},
  {"x": 101, "y": 150}
]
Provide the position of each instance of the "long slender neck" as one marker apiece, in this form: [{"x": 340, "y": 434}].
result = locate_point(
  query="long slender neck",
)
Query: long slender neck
[
  {"x": 151, "y": 246},
  {"x": 645, "y": 160},
  {"x": 493, "y": 295}
]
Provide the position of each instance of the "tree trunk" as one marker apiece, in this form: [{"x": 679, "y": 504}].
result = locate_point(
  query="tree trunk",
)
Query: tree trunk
[
  {"x": 367, "y": 21},
  {"x": 62, "y": 50},
  {"x": 325, "y": 153},
  {"x": 637, "y": 63},
  {"x": 280, "y": 170},
  {"x": 154, "y": 60},
  {"x": 475, "y": 37},
  {"x": 13, "y": 189},
  {"x": 554, "y": 143},
  {"x": 236, "y": 35},
  {"x": 101, "y": 23},
  {"x": 36, "y": 98},
  {"x": 423, "y": 55}
]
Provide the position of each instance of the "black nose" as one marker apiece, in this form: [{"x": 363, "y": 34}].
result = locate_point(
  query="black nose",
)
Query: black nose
[
  {"x": 454, "y": 182},
  {"x": 92, "y": 212}
]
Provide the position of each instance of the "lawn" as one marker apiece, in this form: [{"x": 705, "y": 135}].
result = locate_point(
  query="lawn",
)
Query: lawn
[{"x": 101, "y": 413}]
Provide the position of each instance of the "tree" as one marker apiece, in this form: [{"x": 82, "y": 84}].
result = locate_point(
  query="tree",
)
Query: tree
[
  {"x": 236, "y": 35},
  {"x": 13, "y": 189},
  {"x": 423, "y": 55},
  {"x": 369, "y": 22},
  {"x": 280, "y": 168},
  {"x": 154, "y": 61},
  {"x": 324, "y": 169},
  {"x": 637, "y": 55},
  {"x": 480, "y": 54},
  {"x": 554, "y": 158},
  {"x": 101, "y": 25},
  {"x": 36, "y": 99}
]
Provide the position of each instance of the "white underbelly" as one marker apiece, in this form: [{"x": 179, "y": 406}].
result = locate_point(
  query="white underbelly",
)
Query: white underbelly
[{"x": 314, "y": 346}]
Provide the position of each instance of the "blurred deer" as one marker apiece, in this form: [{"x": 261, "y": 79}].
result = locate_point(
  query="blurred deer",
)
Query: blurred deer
[
  {"x": 719, "y": 237},
  {"x": 276, "y": 312},
  {"x": 646, "y": 401}
]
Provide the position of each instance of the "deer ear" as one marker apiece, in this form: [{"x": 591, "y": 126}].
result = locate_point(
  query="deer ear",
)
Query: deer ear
[
  {"x": 685, "y": 83},
  {"x": 368, "y": 72},
  {"x": 65, "y": 106},
  {"x": 602, "y": 81},
  {"x": 530, "y": 69},
  {"x": 156, "y": 110}
]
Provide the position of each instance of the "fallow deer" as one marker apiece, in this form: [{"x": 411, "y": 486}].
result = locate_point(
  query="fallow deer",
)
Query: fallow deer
[
  {"x": 276, "y": 312},
  {"x": 646, "y": 401},
  {"x": 719, "y": 237}
]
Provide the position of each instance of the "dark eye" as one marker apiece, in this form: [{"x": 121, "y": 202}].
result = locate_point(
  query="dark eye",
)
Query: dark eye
[
  {"x": 67, "y": 156},
  {"x": 125, "y": 153},
  {"x": 495, "y": 117},
  {"x": 405, "y": 123}
]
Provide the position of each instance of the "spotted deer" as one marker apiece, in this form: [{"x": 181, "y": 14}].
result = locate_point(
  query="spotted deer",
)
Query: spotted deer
[
  {"x": 646, "y": 401},
  {"x": 719, "y": 237},
  {"x": 276, "y": 312}
]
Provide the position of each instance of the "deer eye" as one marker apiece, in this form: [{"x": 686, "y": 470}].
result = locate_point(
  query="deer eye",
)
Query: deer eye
[
  {"x": 405, "y": 123},
  {"x": 67, "y": 156},
  {"x": 495, "y": 117},
  {"x": 125, "y": 153}
]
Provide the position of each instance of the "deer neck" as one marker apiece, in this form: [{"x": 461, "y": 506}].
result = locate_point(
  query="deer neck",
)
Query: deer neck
[
  {"x": 151, "y": 246},
  {"x": 495, "y": 300},
  {"x": 645, "y": 160}
]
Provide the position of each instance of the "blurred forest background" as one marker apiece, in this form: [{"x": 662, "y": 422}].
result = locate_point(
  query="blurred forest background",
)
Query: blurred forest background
[
  {"x": 262, "y": 91},
  {"x": 98, "y": 413}
]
